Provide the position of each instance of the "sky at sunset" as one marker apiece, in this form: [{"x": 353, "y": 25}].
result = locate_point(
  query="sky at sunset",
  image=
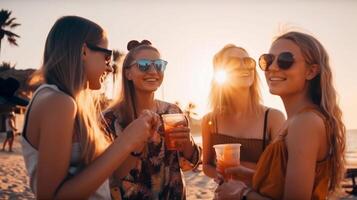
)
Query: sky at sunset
[{"x": 188, "y": 34}]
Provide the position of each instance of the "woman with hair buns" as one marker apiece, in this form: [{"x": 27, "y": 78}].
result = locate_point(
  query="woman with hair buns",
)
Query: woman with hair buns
[{"x": 152, "y": 171}]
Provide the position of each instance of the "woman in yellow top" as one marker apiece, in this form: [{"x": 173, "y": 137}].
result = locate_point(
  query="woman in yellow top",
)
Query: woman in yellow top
[{"x": 306, "y": 161}]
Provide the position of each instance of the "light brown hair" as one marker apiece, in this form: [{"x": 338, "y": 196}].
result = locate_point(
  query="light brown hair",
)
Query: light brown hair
[{"x": 323, "y": 94}]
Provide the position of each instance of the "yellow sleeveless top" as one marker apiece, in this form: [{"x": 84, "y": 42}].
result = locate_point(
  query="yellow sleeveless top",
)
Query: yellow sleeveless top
[{"x": 269, "y": 178}]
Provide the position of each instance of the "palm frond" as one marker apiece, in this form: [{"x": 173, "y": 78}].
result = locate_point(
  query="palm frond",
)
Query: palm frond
[
  {"x": 4, "y": 16},
  {"x": 12, "y": 41},
  {"x": 14, "y": 25},
  {"x": 10, "y": 34},
  {"x": 9, "y": 22}
]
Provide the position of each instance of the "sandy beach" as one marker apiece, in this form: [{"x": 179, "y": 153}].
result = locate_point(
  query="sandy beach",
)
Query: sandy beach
[{"x": 14, "y": 180}]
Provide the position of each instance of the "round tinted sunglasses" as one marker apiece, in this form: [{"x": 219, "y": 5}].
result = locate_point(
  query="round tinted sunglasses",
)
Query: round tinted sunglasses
[
  {"x": 245, "y": 61},
  {"x": 144, "y": 64},
  {"x": 284, "y": 60}
]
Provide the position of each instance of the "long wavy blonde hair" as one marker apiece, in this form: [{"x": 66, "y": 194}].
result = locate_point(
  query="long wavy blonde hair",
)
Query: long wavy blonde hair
[
  {"x": 323, "y": 94},
  {"x": 222, "y": 100},
  {"x": 63, "y": 67},
  {"x": 125, "y": 103}
]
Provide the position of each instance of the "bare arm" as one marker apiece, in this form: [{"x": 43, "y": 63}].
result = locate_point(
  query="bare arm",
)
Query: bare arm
[
  {"x": 53, "y": 163},
  {"x": 208, "y": 152},
  {"x": 303, "y": 148},
  {"x": 12, "y": 123}
]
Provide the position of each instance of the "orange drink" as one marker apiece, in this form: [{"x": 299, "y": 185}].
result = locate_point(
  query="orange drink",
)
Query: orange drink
[
  {"x": 227, "y": 155},
  {"x": 171, "y": 121}
]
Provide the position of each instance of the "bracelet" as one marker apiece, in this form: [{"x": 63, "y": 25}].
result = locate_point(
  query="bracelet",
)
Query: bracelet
[{"x": 245, "y": 193}]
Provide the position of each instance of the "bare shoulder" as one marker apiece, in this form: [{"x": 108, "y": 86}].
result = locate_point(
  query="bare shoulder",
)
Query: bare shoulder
[
  {"x": 53, "y": 102},
  {"x": 276, "y": 114},
  {"x": 207, "y": 119},
  {"x": 307, "y": 127},
  {"x": 207, "y": 123},
  {"x": 276, "y": 120}
]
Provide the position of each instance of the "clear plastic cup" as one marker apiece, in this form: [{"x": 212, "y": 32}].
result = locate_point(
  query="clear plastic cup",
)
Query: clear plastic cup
[
  {"x": 227, "y": 155},
  {"x": 171, "y": 121}
]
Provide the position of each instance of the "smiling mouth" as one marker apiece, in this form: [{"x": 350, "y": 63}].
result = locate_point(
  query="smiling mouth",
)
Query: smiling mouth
[
  {"x": 244, "y": 75},
  {"x": 277, "y": 79},
  {"x": 151, "y": 79}
]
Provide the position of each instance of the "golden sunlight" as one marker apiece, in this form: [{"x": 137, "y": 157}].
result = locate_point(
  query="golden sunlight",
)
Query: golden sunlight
[{"x": 220, "y": 76}]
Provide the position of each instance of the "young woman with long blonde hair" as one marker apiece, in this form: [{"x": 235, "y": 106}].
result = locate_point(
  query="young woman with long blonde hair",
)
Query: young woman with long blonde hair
[
  {"x": 306, "y": 161},
  {"x": 67, "y": 155},
  {"x": 152, "y": 171},
  {"x": 237, "y": 116}
]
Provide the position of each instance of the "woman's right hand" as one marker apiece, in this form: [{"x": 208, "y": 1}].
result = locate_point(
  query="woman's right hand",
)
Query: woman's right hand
[
  {"x": 141, "y": 129},
  {"x": 240, "y": 173}
]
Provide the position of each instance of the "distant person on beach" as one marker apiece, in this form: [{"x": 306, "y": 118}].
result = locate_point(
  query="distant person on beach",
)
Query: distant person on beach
[
  {"x": 306, "y": 161},
  {"x": 237, "y": 115},
  {"x": 153, "y": 171},
  {"x": 66, "y": 152},
  {"x": 11, "y": 129}
]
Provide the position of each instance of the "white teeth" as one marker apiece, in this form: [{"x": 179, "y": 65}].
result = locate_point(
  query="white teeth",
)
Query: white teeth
[
  {"x": 151, "y": 79},
  {"x": 277, "y": 79}
]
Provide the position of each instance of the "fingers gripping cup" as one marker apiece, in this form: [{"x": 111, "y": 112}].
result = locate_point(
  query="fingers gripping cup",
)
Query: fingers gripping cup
[
  {"x": 171, "y": 121},
  {"x": 227, "y": 155}
]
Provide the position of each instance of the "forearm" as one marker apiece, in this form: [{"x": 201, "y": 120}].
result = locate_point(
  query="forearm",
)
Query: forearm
[
  {"x": 96, "y": 173},
  {"x": 189, "y": 150},
  {"x": 210, "y": 170}
]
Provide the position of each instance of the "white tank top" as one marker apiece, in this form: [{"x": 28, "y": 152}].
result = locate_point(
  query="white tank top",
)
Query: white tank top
[
  {"x": 31, "y": 159},
  {"x": 7, "y": 124}
]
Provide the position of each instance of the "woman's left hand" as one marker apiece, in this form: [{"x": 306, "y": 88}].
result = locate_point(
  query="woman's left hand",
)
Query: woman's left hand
[
  {"x": 182, "y": 138},
  {"x": 230, "y": 190}
]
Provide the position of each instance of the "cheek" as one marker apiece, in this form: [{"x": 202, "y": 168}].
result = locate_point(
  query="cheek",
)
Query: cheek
[{"x": 94, "y": 70}]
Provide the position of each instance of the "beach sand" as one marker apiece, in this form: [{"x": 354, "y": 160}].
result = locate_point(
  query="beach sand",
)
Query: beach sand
[{"x": 14, "y": 182}]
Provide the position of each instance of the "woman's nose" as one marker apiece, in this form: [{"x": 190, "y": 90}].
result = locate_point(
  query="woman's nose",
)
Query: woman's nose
[{"x": 274, "y": 66}]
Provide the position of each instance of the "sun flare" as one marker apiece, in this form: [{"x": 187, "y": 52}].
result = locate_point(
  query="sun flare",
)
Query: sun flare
[{"x": 220, "y": 76}]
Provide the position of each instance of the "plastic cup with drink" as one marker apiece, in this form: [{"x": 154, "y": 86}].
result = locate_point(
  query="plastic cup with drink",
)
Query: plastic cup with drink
[
  {"x": 170, "y": 122},
  {"x": 227, "y": 155}
]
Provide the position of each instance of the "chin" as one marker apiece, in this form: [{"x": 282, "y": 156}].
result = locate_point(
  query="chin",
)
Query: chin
[{"x": 96, "y": 86}]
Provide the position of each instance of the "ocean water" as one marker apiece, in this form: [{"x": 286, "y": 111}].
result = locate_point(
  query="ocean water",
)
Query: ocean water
[{"x": 351, "y": 145}]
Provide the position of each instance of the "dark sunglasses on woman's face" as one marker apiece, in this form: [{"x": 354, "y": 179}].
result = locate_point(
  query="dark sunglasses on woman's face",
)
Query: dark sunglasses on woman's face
[
  {"x": 246, "y": 61},
  {"x": 144, "y": 64},
  {"x": 107, "y": 53},
  {"x": 284, "y": 60}
]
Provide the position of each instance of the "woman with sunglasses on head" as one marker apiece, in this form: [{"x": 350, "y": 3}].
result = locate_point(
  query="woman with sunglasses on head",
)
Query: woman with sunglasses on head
[
  {"x": 152, "y": 171},
  {"x": 306, "y": 161},
  {"x": 237, "y": 113},
  {"x": 66, "y": 153}
]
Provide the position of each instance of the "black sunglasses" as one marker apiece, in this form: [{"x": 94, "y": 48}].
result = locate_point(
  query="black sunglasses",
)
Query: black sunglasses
[
  {"x": 284, "y": 60},
  {"x": 246, "y": 61},
  {"x": 108, "y": 53},
  {"x": 144, "y": 64}
]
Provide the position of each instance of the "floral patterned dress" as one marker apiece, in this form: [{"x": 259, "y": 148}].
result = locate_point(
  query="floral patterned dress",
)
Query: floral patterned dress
[{"x": 157, "y": 174}]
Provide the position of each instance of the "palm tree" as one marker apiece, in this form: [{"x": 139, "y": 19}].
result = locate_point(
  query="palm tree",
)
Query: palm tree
[
  {"x": 6, "y": 23},
  {"x": 190, "y": 110}
]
